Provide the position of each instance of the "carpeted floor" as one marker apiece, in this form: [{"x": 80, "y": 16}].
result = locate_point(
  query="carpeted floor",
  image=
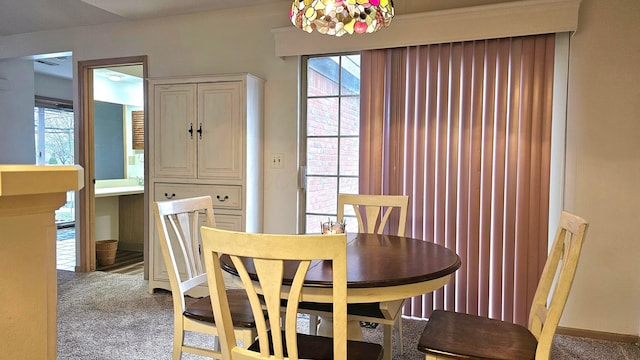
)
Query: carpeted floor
[{"x": 113, "y": 316}]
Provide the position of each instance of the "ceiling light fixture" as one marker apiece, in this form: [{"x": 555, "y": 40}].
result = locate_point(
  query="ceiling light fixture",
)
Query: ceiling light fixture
[
  {"x": 339, "y": 17},
  {"x": 115, "y": 77}
]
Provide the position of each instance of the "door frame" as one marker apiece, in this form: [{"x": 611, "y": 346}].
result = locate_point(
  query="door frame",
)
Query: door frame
[{"x": 86, "y": 218}]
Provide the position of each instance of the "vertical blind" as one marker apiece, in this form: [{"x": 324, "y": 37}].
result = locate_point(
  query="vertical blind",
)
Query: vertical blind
[{"x": 464, "y": 129}]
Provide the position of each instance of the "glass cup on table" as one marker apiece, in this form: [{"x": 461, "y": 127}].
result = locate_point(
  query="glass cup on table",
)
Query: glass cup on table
[{"x": 333, "y": 227}]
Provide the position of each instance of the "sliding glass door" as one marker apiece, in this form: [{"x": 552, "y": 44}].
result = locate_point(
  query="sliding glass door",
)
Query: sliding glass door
[{"x": 331, "y": 118}]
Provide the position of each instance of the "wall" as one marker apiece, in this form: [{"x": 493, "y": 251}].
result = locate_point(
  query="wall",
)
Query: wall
[
  {"x": 17, "y": 140},
  {"x": 53, "y": 87},
  {"x": 603, "y": 161},
  {"x": 603, "y": 165}
]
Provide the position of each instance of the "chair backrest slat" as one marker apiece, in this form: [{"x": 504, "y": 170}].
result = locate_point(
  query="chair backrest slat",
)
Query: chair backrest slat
[
  {"x": 182, "y": 246},
  {"x": 269, "y": 256},
  {"x": 377, "y": 211}
]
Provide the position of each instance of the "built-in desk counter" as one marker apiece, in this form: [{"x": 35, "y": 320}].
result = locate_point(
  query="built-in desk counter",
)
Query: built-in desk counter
[
  {"x": 120, "y": 190},
  {"x": 120, "y": 213}
]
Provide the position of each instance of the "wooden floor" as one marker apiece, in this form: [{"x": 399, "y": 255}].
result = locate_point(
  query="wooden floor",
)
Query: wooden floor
[{"x": 127, "y": 262}]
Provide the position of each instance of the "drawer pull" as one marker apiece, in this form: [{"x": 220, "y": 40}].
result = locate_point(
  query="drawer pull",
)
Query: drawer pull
[
  {"x": 222, "y": 199},
  {"x": 169, "y": 196}
]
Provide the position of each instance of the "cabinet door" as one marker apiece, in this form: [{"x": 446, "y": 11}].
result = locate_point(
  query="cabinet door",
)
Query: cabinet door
[
  {"x": 220, "y": 114},
  {"x": 175, "y": 129}
]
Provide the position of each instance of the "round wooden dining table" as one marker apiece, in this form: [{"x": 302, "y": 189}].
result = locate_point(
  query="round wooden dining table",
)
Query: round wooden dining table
[
  {"x": 384, "y": 269},
  {"x": 380, "y": 268}
]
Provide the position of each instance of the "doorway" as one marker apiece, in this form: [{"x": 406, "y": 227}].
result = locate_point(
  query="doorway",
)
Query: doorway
[{"x": 108, "y": 166}]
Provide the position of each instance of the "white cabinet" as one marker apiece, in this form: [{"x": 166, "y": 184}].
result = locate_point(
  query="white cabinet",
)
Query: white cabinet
[
  {"x": 200, "y": 128},
  {"x": 206, "y": 140}
]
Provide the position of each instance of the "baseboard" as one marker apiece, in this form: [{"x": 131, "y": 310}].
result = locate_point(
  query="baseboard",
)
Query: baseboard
[{"x": 598, "y": 335}]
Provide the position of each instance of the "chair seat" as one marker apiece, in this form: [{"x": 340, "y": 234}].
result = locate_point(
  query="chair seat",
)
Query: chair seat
[
  {"x": 321, "y": 348},
  {"x": 239, "y": 305},
  {"x": 470, "y": 336},
  {"x": 359, "y": 309}
]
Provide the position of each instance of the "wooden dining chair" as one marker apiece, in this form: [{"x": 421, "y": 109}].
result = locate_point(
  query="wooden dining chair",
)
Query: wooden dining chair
[
  {"x": 372, "y": 213},
  {"x": 452, "y": 335},
  {"x": 178, "y": 223},
  {"x": 268, "y": 256}
]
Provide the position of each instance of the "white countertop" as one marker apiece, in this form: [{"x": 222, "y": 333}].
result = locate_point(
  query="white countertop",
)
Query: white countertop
[{"x": 119, "y": 190}]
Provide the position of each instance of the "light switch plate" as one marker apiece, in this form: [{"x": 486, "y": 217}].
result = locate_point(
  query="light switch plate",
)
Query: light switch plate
[{"x": 277, "y": 161}]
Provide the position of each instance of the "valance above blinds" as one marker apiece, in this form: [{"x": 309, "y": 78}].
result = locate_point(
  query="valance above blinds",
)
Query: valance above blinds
[{"x": 514, "y": 18}]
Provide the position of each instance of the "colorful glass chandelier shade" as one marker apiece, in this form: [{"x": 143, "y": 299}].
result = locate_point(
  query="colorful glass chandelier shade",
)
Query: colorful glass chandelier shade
[{"x": 339, "y": 17}]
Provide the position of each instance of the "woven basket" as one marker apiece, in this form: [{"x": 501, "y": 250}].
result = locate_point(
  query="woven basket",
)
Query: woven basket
[{"x": 106, "y": 251}]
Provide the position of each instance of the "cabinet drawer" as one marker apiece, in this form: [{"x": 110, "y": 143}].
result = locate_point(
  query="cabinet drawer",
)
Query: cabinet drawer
[{"x": 224, "y": 196}]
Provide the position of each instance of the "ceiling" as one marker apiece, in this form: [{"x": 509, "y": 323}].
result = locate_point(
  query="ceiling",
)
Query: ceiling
[{"x": 26, "y": 16}]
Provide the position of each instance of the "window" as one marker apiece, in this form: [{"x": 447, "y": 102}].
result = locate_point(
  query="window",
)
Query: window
[
  {"x": 331, "y": 118},
  {"x": 53, "y": 131},
  {"x": 54, "y": 140}
]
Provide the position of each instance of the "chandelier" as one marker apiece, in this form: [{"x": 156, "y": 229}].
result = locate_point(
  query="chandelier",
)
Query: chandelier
[{"x": 339, "y": 17}]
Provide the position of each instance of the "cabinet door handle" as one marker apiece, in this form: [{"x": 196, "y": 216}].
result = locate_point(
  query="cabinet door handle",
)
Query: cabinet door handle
[
  {"x": 200, "y": 131},
  {"x": 191, "y": 130},
  {"x": 169, "y": 196},
  {"x": 226, "y": 197}
]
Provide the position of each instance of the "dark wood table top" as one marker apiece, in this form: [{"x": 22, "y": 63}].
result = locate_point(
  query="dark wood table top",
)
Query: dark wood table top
[{"x": 379, "y": 261}]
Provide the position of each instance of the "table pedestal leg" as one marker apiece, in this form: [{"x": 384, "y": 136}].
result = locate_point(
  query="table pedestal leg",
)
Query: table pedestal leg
[{"x": 325, "y": 328}]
